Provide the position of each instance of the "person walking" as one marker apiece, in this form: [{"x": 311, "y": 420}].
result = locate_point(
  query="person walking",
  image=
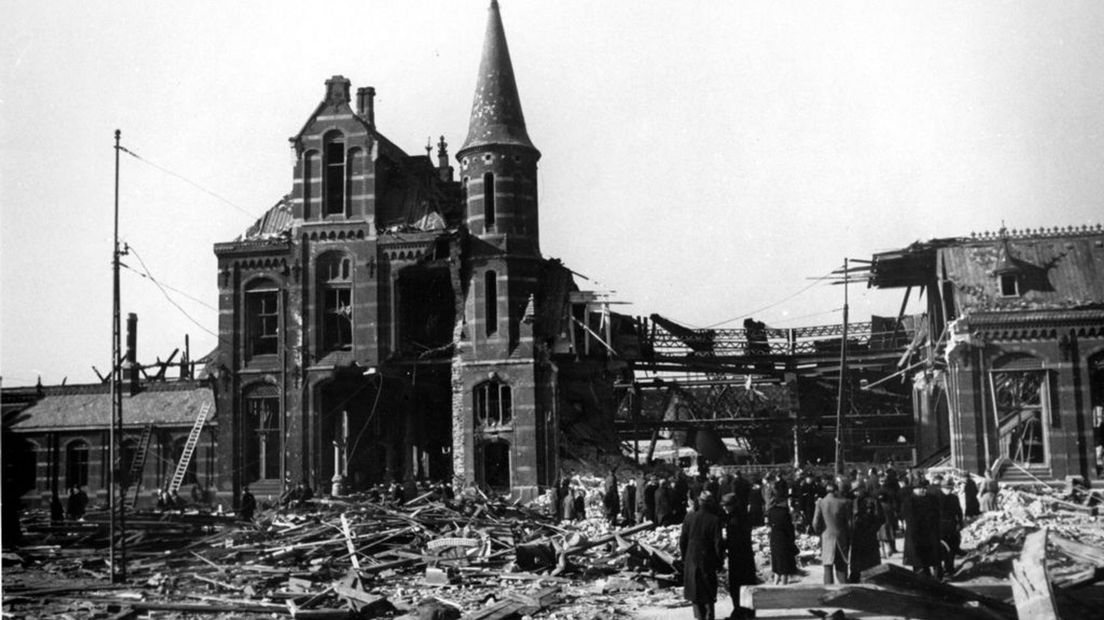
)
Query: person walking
[
  {"x": 832, "y": 520},
  {"x": 701, "y": 545},
  {"x": 663, "y": 503},
  {"x": 741, "y": 556},
  {"x": 649, "y": 500},
  {"x": 783, "y": 539},
  {"x": 987, "y": 501},
  {"x": 887, "y": 532}
]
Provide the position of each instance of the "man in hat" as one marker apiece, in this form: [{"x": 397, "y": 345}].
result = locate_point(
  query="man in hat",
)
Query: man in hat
[
  {"x": 832, "y": 520},
  {"x": 741, "y": 556},
  {"x": 921, "y": 514},
  {"x": 701, "y": 544},
  {"x": 950, "y": 525}
]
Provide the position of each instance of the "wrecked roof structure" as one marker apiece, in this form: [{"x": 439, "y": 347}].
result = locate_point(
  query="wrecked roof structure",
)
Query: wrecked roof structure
[{"x": 1010, "y": 369}]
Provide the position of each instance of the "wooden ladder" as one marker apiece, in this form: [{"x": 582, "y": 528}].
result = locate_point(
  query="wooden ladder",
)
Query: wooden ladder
[
  {"x": 189, "y": 449},
  {"x": 138, "y": 463}
]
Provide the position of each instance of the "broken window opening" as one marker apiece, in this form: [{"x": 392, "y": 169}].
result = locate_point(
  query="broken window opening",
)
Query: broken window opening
[
  {"x": 262, "y": 322},
  {"x": 76, "y": 464},
  {"x": 496, "y": 465},
  {"x": 488, "y": 201},
  {"x": 1009, "y": 285},
  {"x": 490, "y": 302},
  {"x": 493, "y": 404},
  {"x": 1019, "y": 403},
  {"x": 337, "y": 303},
  {"x": 334, "y": 165},
  {"x": 262, "y": 452}
]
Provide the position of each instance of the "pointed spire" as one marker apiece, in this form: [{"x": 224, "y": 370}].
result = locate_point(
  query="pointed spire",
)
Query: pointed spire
[{"x": 496, "y": 116}]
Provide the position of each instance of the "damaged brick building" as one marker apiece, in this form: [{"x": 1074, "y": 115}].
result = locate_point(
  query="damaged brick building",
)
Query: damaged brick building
[
  {"x": 1009, "y": 366},
  {"x": 393, "y": 318}
]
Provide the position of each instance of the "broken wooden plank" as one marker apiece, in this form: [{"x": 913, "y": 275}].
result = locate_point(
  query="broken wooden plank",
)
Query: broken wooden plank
[
  {"x": 349, "y": 541},
  {"x": 1030, "y": 582},
  {"x": 903, "y": 580},
  {"x": 876, "y": 600},
  {"x": 794, "y": 596}
]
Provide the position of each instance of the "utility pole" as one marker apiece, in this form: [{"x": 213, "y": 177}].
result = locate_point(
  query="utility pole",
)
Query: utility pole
[
  {"x": 118, "y": 570},
  {"x": 843, "y": 375}
]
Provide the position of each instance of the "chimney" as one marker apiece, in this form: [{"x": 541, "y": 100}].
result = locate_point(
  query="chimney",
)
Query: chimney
[
  {"x": 366, "y": 104},
  {"x": 337, "y": 90},
  {"x": 130, "y": 362}
]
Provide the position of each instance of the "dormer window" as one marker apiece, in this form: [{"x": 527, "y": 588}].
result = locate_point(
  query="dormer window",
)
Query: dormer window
[
  {"x": 334, "y": 170},
  {"x": 1009, "y": 285}
]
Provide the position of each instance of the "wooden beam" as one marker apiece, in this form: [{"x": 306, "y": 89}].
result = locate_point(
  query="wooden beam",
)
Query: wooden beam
[
  {"x": 1030, "y": 582},
  {"x": 903, "y": 580}
]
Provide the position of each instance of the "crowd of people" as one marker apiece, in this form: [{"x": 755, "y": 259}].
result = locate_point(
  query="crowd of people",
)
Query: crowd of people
[{"x": 859, "y": 518}]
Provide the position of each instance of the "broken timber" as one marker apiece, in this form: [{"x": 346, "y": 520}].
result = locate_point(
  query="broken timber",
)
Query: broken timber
[{"x": 1030, "y": 583}]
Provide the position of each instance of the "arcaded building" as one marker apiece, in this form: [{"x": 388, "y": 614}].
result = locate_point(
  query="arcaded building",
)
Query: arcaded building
[{"x": 392, "y": 317}]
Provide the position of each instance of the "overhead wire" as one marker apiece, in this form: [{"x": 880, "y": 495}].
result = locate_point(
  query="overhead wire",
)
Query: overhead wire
[
  {"x": 169, "y": 297},
  {"x": 815, "y": 281},
  {"x": 189, "y": 182}
]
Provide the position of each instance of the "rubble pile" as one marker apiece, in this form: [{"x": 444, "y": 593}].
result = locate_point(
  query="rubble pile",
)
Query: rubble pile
[
  {"x": 350, "y": 558},
  {"x": 996, "y": 538}
]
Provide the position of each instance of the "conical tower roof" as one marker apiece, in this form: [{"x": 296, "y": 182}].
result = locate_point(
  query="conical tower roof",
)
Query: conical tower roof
[{"x": 496, "y": 117}]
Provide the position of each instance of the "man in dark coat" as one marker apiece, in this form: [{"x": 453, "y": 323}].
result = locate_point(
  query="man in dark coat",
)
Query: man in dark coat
[
  {"x": 950, "y": 526},
  {"x": 680, "y": 492},
  {"x": 807, "y": 495},
  {"x": 248, "y": 505},
  {"x": 832, "y": 519},
  {"x": 628, "y": 503},
  {"x": 702, "y": 547},
  {"x": 741, "y": 556},
  {"x": 973, "y": 507},
  {"x": 611, "y": 501},
  {"x": 921, "y": 514},
  {"x": 649, "y": 500},
  {"x": 663, "y": 503}
]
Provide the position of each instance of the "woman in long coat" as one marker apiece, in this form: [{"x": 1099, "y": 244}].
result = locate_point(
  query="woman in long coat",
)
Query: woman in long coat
[
  {"x": 783, "y": 539},
  {"x": 868, "y": 519},
  {"x": 702, "y": 547}
]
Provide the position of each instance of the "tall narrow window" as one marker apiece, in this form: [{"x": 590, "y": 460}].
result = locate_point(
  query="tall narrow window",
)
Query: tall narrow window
[
  {"x": 488, "y": 201},
  {"x": 1020, "y": 409},
  {"x": 493, "y": 404},
  {"x": 490, "y": 302},
  {"x": 262, "y": 438},
  {"x": 334, "y": 183},
  {"x": 76, "y": 464},
  {"x": 262, "y": 316},
  {"x": 337, "y": 302}
]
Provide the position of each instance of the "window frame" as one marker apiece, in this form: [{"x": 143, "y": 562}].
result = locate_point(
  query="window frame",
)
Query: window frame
[
  {"x": 335, "y": 302},
  {"x": 262, "y": 324},
  {"x": 497, "y": 395}
]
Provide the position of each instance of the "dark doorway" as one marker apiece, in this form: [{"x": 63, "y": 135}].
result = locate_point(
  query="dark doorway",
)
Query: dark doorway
[{"x": 496, "y": 465}]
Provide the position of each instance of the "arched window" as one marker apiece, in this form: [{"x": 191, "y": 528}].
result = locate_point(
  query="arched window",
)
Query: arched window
[
  {"x": 1020, "y": 402},
  {"x": 335, "y": 285},
  {"x": 76, "y": 463},
  {"x": 490, "y": 301},
  {"x": 262, "y": 318},
  {"x": 488, "y": 201},
  {"x": 334, "y": 182},
  {"x": 494, "y": 404},
  {"x": 262, "y": 434}
]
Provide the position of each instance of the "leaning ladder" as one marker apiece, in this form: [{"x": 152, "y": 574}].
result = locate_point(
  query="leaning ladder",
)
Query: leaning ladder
[
  {"x": 138, "y": 463},
  {"x": 189, "y": 449}
]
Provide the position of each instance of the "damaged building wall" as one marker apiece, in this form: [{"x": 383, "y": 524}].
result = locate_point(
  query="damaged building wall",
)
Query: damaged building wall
[
  {"x": 386, "y": 321},
  {"x": 1019, "y": 356}
]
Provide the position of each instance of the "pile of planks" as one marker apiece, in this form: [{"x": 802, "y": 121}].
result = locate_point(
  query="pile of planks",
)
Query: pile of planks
[{"x": 336, "y": 558}]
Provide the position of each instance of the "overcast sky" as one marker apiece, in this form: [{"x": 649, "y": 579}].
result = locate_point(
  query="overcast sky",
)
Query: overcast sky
[{"x": 700, "y": 159}]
